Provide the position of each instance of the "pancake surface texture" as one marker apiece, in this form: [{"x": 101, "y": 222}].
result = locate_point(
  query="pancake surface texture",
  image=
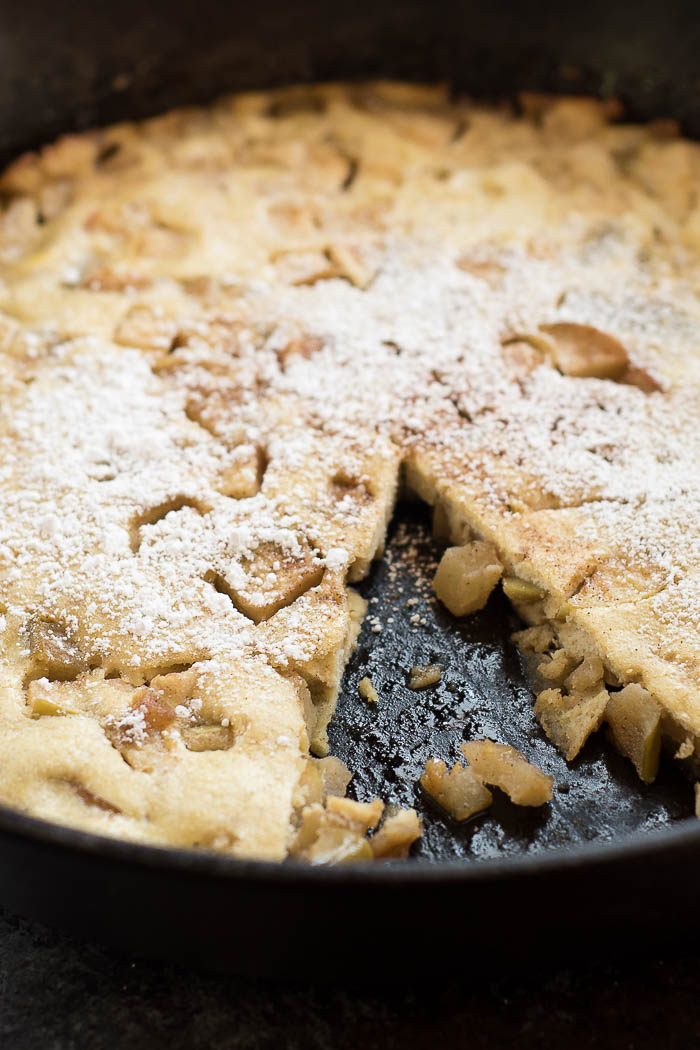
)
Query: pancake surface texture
[{"x": 225, "y": 332}]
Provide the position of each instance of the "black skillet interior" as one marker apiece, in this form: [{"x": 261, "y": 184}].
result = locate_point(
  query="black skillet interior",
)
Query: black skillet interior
[
  {"x": 69, "y": 66},
  {"x": 483, "y": 692}
]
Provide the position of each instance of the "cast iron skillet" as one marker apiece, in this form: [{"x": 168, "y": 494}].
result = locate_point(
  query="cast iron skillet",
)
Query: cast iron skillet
[{"x": 610, "y": 861}]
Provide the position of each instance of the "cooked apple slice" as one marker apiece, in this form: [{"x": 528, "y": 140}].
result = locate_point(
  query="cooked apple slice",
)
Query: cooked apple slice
[
  {"x": 45, "y": 699},
  {"x": 587, "y": 675},
  {"x": 569, "y": 720},
  {"x": 556, "y": 667},
  {"x": 336, "y": 834},
  {"x": 459, "y": 790},
  {"x": 466, "y": 576},
  {"x": 401, "y": 828},
  {"x": 634, "y": 718},
  {"x": 522, "y": 592},
  {"x": 583, "y": 351},
  {"x": 335, "y": 775},
  {"x": 507, "y": 768},
  {"x": 269, "y": 579}
]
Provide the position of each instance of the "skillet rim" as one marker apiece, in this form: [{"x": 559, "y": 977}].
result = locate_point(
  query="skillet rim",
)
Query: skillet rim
[{"x": 635, "y": 846}]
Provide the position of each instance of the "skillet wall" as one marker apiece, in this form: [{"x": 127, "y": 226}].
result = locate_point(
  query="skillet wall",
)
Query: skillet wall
[{"x": 69, "y": 65}]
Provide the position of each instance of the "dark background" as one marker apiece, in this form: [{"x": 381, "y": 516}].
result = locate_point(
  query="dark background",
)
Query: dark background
[
  {"x": 58, "y": 995},
  {"x": 70, "y": 65}
]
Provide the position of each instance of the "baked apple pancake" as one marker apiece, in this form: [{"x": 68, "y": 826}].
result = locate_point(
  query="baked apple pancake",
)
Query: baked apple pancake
[{"x": 229, "y": 337}]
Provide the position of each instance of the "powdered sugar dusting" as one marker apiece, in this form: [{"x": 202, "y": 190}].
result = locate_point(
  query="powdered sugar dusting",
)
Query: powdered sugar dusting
[{"x": 167, "y": 488}]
